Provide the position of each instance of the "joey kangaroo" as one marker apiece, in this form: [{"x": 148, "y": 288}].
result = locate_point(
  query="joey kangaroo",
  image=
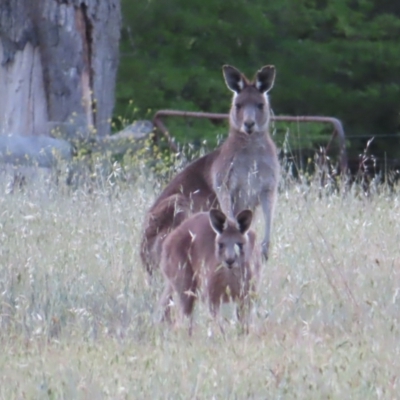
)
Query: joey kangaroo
[
  {"x": 242, "y": 173},
  {"x": 214, "y": 253}
]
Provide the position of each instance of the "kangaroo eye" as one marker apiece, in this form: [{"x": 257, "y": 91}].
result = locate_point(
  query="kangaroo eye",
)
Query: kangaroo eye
[
  {"x": 238, "y": 248},
  {"x": 220, "y": 246},
  {"x": 260, "y": 106},
  {"x": 238, "y": 106}
]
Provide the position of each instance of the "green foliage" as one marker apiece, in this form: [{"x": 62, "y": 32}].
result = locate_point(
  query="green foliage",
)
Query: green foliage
[{"x": 333, "y": 58}]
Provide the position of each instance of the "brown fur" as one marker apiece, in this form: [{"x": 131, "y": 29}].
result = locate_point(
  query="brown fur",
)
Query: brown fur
[
  {"x": 211, "y": 253},
  {"x": 242, "y": 173}
]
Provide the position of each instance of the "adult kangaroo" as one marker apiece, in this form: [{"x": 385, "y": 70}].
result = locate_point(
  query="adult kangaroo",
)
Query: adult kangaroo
[
  {"x": 214, "y": 254},
  {"x": 241, "y": 174}
]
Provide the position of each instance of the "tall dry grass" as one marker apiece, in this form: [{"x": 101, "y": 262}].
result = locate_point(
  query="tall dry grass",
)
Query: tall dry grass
[{"x": 78, "y": 319}]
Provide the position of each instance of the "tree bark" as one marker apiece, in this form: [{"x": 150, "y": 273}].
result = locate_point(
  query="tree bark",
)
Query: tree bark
[{"x": 59, "y": 61}]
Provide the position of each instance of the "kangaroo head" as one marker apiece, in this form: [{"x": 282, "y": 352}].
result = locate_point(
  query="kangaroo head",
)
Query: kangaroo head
[
  {"x": 250, "y": 111},
  {"x": 231, "y": 241}
]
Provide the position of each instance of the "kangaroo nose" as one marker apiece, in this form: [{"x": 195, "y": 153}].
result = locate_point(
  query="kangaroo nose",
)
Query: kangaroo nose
[
  {"x": 230, "y": 262},
  {"x": 249, "y": 124}
]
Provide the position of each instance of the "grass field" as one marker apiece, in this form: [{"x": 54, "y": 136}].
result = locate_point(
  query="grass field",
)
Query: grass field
[{"x": 78, "y": 317}]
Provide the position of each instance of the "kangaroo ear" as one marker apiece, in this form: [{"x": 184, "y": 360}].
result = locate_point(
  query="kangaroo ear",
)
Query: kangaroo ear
[
  {"x": 217, "y": 220},
  {"x": 233, "y": 78},
  {"x": 244, "y": 219},
  {"x": 265, "y": 78}
]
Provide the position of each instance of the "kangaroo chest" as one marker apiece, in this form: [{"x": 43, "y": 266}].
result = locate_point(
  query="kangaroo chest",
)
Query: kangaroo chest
[
  {"x": 246, "y": 171},
  {"x": 252, "y": 170}
]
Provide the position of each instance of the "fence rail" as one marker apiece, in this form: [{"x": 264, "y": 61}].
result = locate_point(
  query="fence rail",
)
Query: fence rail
[{"x": 338, "y": 131}]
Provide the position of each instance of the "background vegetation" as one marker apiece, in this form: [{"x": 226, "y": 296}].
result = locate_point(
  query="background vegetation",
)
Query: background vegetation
[{"x": 338, "y": 58}]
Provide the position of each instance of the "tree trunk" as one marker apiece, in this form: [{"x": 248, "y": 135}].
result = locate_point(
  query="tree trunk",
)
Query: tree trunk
[{"x": 59, "y": 61}]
